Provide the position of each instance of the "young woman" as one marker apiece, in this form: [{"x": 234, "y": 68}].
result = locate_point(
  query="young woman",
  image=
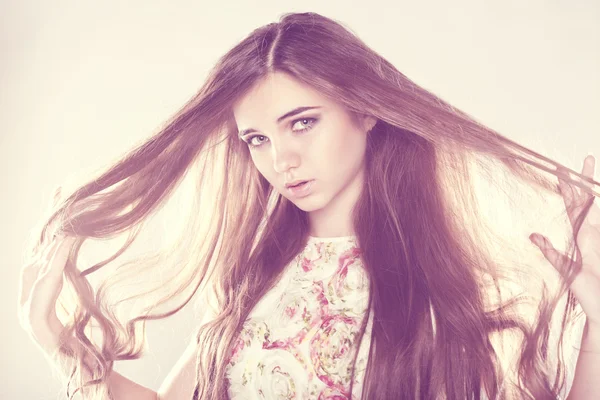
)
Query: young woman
[{"x": 344, "y": 255}]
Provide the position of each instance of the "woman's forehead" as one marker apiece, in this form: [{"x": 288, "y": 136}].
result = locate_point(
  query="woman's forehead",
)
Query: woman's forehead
[
  {"x": 275, "y": 96},
  {"x": 279, "y": 91}
]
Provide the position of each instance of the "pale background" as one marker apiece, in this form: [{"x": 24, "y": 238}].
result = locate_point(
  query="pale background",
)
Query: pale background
[{"x": 82, "y": 81}]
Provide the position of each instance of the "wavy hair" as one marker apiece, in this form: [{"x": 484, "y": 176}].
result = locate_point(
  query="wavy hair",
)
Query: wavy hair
[{"x": 445, "y": 284}]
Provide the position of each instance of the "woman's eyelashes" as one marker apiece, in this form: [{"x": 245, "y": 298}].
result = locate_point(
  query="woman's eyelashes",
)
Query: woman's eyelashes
[{"x": 306, "y": 126}]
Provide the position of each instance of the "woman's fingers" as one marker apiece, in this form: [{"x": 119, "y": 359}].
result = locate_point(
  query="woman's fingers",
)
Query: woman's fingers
[
  {"x": 547, "y": 249},
  {"x": 589, "y": 166},
  {"x": 41, "y": 285},
  {"x": 31, "y": 271},
  {"x": 574, "y": 197},
  {"x": 558, "y": 260}
]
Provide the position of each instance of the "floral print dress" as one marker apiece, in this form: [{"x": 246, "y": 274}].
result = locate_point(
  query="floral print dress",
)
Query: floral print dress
[{"x": 300, "y": 339}]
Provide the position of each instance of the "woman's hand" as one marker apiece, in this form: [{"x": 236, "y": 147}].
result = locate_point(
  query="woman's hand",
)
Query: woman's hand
[
  {"x": 586, "y": 285},
  {"x": 40, "y": 285}
]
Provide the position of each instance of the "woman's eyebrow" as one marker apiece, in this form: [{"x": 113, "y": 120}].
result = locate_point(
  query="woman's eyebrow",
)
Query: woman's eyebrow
[{"x": 288, "y": 114}]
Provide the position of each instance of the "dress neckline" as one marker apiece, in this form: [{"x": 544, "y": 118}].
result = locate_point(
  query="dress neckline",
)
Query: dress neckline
[{"x": 331, "y": 239}]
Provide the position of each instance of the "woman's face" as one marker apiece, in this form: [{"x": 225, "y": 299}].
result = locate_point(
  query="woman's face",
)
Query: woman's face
[{"x": 323, "y": 144}]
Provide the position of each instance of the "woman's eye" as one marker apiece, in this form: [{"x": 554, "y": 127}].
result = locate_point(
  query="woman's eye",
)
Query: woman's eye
[
  {"x": 251, "y": 138},
  {"x": 303, "y": 123}
]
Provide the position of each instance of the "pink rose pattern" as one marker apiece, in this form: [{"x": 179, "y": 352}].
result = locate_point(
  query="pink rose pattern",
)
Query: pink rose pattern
[{"x": 300, "y": 339}]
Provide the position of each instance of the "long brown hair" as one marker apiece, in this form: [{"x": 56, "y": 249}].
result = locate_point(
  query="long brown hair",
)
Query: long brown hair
[{"x": 440, "y": 287}]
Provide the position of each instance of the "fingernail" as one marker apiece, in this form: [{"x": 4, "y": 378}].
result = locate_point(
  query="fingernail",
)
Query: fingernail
[{"x": 534, "y": 238}]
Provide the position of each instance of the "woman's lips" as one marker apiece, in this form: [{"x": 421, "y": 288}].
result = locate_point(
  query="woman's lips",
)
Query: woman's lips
[{"x": 301, "y": 190}]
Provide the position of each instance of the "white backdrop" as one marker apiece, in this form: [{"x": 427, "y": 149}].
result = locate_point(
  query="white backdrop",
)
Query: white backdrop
[{"x": 82, "y": 81}]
